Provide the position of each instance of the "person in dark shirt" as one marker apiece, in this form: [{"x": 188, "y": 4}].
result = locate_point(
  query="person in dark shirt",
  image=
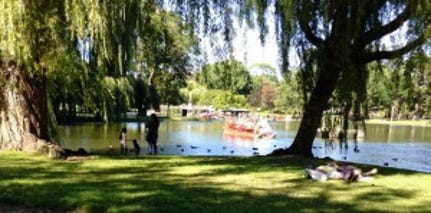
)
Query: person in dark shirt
[{"x": 152, "y": 128}]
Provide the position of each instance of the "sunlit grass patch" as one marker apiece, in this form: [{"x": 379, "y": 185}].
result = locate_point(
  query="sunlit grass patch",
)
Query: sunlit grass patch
[{"x": 196, "y": 184}]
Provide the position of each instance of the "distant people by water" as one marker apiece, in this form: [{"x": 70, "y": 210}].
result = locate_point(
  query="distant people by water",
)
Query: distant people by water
[
  {"x": 136, "y": 147},
  {"x": 152, "y": 128},
  {"x": 123, "y": 139}
]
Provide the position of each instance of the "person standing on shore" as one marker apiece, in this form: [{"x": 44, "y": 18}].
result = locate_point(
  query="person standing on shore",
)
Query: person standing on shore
[
  {"x": 152, "y": 128},
  {"x": 123, "y": 139}
]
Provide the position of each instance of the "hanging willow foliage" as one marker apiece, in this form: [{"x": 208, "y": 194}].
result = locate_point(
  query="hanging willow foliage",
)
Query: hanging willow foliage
[
  {"x": 9, "y": 23},
  {"x": 96, "y": 20},
  {"x": 31, "y": 31},
  {"x": 346, "y": 36}
]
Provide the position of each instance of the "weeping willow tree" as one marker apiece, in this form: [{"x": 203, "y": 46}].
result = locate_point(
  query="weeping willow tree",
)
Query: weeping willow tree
[
  {"x": 110, "y": 32},
  {"x": 32, "y": 41},
  {"x": 165, "y": 49},
  {"x": 131, "y": 37},
  {"x": 343, "y": 36},
  {"x": 118, "y": 41},
  {"x": 46, "y": 46},
  {"x": 347, "y": 35}
]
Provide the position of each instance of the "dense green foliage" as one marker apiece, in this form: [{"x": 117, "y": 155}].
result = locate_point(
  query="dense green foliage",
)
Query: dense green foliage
[
  {"x": 289, "y": 99},
  {"x": 230, "y": 75},
  {"x": 266, "y": 93},
  {"x": 198, "y": 94},
  {"x": 139, "y": 42},
  {"x": 93, "y": 52},
  {"x": 401, "y": 88}
]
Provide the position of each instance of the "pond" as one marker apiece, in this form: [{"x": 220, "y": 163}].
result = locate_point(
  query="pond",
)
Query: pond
[{"x": 394, "y": 146}]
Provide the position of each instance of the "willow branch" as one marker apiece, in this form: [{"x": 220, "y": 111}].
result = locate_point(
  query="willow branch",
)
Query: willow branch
[
  {"x": 378, "y": 55},
  {"x": 305, "y": 27},
  {"x": 381, "y": 31}
]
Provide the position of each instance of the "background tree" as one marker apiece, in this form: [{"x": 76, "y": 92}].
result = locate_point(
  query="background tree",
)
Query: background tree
[
  {"x": 193, "y": 92},
  {"x": 415, "y": 84},
  {"x": 268, "y": 96},
  {"x": 263, "y": 69},
  {"x": 141, "y": 93},
  {"x": 263, "y": 94},
  {"x": 124, "y": 40},
  {"x": 228, "y": 75},
  {"x": 164, "y": 55},
  {"x": 427, "y": 85},
  {"x": 170, "y": 88},
  {"x": 289, "y": 99},
  {"x": 400, "y": 86},
  {"x": 379, "y": 88}
]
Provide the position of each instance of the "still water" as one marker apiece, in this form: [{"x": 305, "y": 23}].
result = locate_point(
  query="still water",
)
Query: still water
[{"x": 394, "y": 146}]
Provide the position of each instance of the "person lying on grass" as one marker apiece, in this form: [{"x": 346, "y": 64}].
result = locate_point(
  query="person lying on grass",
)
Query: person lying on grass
[{"x": 348, "y": 173}]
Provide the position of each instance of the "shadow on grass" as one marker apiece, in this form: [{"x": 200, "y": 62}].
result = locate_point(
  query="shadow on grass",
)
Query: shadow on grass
[{"x": 189, "y": 184}]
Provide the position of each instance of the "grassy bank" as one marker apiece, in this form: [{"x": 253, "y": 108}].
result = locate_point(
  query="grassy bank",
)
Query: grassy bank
[
  {"x": 200, "y": 184},
  {"x": 426, "y": 123}
]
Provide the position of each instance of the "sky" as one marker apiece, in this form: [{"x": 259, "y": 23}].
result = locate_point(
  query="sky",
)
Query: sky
[{"x": 248, "y": 48}]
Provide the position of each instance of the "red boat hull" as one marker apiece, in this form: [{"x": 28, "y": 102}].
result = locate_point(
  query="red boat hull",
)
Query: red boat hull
[{"x": 247, "y": 134}]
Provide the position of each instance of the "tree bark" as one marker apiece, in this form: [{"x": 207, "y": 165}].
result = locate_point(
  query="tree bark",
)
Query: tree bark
[{"x": 24, "y": 113}]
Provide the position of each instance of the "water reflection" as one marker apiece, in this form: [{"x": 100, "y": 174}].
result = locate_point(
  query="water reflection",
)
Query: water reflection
[
  {"x": 395, "y": 133},
  {"x": 410, "y": 146},
  {"x": 408, "y": 155}
]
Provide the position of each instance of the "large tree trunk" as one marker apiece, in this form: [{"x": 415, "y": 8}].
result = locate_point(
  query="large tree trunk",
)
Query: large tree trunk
[
  {"x": 24, "y": 113},
  {"x": 329, "y": 73},
  {"x": 312, "y": 117},
  {"x": 334, "y": 56}
]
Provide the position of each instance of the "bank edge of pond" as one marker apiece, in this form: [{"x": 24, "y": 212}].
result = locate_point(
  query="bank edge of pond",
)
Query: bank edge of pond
[{"x": 421, "y": 123}]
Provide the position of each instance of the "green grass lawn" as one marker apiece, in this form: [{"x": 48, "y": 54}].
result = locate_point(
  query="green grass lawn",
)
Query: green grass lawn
[{"x": 200, "y": 184}]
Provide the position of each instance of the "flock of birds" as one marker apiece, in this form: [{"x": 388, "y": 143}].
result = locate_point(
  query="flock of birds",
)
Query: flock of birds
[
  {"x": 254, "y": 149},
  {"x": 208, "y": 150}
]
